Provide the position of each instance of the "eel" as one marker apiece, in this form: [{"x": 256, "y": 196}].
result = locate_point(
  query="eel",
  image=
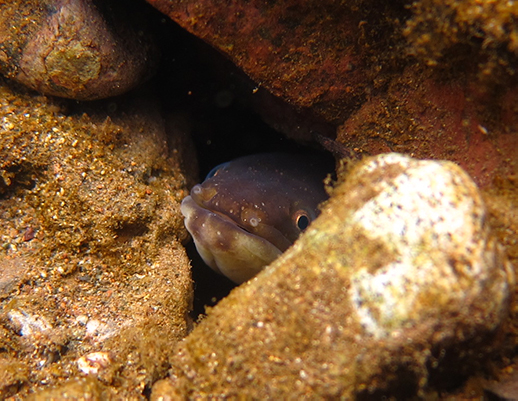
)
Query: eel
[{"x": 248, "y": 211}]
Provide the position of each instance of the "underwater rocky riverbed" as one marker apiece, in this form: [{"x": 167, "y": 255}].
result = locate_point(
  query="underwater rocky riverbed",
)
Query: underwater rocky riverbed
[{"x": 403, "y": 287}]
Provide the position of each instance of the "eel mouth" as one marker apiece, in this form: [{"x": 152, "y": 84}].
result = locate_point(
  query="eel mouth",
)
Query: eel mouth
[
  {"x": 204, "y": 197},
  {"x": 225, "y": 246}
]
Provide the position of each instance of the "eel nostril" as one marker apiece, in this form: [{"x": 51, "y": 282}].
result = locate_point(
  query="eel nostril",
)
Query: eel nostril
[{"x": 197, "y": 189}]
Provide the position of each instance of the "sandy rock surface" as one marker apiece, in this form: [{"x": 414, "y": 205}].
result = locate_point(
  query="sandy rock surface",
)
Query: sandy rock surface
[
  {"x": 399, "y": 277},
  {"x": 93, "y": 278}
]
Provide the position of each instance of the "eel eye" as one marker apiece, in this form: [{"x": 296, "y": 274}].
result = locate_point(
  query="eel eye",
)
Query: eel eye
[{"x": 302, "y": 220}]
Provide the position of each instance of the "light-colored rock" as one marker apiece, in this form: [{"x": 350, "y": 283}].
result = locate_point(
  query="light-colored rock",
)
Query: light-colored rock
[{"x": 397, "y": 274}]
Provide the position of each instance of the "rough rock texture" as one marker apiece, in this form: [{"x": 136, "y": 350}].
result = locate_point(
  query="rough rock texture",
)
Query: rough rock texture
[
  {"x": 451, "y": 32},
  {"x": 73, "y": 49},
  {"x": 440, "y": 120},
  {"x": 93, "y": 278},
  {"x": 397, "y": 282},
  {"x": 295, "y": 50},
  {"x": 435, "y": 79}
]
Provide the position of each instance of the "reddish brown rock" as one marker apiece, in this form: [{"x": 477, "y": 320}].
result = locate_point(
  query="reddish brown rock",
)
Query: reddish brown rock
[
  {"x": 353, "y": 64},
  {"x": 296, "y": 50},
  {"x": 453, "y": 120},
  {"x": 69, "y": 49}
]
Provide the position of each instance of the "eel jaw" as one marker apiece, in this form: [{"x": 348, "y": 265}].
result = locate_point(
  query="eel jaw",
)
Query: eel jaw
[{"x": 224, "y": 246}]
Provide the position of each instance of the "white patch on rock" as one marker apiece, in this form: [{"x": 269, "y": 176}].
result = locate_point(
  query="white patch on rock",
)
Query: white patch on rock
[
  {"x": 28, "y": 324},
  {"x": 93, "y": 363},
  {"x": 432, "y": 219}
]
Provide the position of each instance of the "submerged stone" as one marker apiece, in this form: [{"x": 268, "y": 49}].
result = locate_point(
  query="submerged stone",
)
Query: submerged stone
[
  {"x": 102, "y": 286},
  {"x": 398, "y": 275},
  {"x": 75, "y": 49}
]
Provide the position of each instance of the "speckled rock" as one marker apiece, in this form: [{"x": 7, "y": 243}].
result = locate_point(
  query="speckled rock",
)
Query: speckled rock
[
  {"x": 93, "y": 278},
  {"x": 73, "y": 49},
  {"x": 395, "y": 283}
]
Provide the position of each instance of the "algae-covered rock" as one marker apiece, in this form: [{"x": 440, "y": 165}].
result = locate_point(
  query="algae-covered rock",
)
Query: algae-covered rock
[
  {"x": 75, "y": 49},
  {"x": 449, "y": 31},
  {"x": 396, "y": 283},
  {"x": 93, "y": 278}
]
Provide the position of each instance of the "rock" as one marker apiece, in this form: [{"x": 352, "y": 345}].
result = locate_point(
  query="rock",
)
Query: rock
[
  {"x": 87, "y": 388},
  {"x": 104, "y": 287},
  {"x": 73, "y": 49},
  {"x": 12, "y": 272},
  {"x": 436, "y": 80},
  {"x": 397, "y": 282},
  {"x": 307, "y": 54},
  {"x": 452, "y": 32},
  {"x": 507, "y": 387},
  {"x": 429, "y": 118},
  {"x": 13, "y": 375}
]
